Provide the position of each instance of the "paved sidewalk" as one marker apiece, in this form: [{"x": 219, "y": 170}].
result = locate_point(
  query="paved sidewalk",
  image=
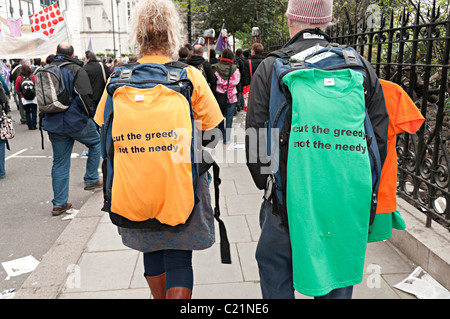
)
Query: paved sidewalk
[{"x": 89, "y": 260}]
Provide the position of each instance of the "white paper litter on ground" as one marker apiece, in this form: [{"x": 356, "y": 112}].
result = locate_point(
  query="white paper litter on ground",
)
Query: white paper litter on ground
[
  {"x": 8, "y": 294},
  {"x": 20, "y": 266},
  {"x": 71, "y": 213},
  {"x": 423, "y": 286}
]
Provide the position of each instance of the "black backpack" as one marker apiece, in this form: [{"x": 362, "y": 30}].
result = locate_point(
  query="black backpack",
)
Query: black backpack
[{"x": 27, "y": 88}]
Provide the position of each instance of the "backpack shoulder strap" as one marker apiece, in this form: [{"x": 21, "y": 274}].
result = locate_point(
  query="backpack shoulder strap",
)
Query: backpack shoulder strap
[
  {"x": 174, "y": 76},
  {"x": 36, "y": 69},
  {"x": 64, "y": 64},
  {"x": 176, "y": 64},
  {"x": 15, "y": 69},
  {"x": 205, "y": 165},
  {"x": 282, "y": 53},
  {"x": 350, "y": 56}
]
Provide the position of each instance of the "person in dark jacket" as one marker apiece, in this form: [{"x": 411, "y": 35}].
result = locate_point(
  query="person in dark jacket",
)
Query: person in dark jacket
[
  {"x": 203, "y": 65},
  {"x": 212, "y": 57},
  {"x": 183, "y": 54},
  {"x": 252, "y": 63},
  {"x": 240, "y": 60},
  {"x": 74, "y": 124},
  {"x": 15, "y": 72},
  {"x": 307, "y": 23},
  {"x": 4, "y": 107},
  {"x": 97, "y": 77}
]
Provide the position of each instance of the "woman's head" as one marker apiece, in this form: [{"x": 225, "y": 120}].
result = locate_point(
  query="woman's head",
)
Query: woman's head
[
  {"x": 227, "y": 54},
  {"x": 25, "y": 70},
  {"x": 156, "y": 28}
]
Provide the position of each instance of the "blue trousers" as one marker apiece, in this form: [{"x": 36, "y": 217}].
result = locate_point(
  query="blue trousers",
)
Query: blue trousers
[
  {"x": 31, "y": 115},
  {"x": 62, "y": 150},
  {"x": 274, "y": 257},
  {"x": 228, "y": 113}
]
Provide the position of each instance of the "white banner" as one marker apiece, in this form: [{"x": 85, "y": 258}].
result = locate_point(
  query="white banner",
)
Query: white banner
[{"x": 28, "y": 45}]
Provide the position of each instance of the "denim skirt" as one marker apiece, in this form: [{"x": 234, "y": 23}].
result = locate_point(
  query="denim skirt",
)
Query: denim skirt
[{"x": 196, "y": 234}]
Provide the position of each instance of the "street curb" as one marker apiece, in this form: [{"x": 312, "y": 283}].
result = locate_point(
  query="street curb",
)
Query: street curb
[
  {"x": 426, "y": 247},
  {"x": 429, "y": 248},
  {"x": 50, "y": 276}
]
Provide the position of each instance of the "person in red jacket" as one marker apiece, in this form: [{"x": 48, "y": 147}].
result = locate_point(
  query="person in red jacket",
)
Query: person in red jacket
[{"x": 25, "y": 85}]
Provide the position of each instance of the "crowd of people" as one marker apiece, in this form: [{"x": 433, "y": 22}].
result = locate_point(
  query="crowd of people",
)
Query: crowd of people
[
  {"x": 225, "y": 77},
  {"x": 219, "y": 86},
  {"x": 243, "y": 65}
]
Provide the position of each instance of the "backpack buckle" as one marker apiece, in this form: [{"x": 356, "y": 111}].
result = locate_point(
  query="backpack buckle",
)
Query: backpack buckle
[
  {"x": 350, "y": 57},
  {"x": 173, "y": 76},
  {"x": 126, "y": 74},
  {"x": 298, "y": 65}
]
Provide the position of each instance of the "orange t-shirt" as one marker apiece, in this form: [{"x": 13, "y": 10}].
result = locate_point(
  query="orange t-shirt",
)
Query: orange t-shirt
[
  {"x": 152, "y": 163},
  {"x": 204, "y": 103},
  {"x": 404, "y": 116}
]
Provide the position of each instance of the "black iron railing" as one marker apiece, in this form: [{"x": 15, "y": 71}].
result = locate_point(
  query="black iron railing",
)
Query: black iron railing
[{"x": 413, "y": 51}]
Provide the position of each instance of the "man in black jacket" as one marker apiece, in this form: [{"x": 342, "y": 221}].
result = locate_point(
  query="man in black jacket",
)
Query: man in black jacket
[
  {"x": 197, "y": 60},
  {"x": 253, "y": 62},
  {"x": 307, "y": 23},
  {"x": 98, "y": 76}
]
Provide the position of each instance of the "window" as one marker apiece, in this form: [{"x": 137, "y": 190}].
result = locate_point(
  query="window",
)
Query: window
[
  {"x": 46, "y": 3},
  {"x": 89, "y": 22}
]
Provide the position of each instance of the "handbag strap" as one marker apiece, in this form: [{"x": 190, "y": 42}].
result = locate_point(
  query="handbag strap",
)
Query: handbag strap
[
  {"x": 103, "y": 71},
  {"x": 229, "y": 78}
]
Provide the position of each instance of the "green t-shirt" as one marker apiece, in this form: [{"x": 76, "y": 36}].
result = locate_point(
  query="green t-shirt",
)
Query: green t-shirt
[
  {"x": 329, "y": 181},
  {"x": 382, "y": 226}
]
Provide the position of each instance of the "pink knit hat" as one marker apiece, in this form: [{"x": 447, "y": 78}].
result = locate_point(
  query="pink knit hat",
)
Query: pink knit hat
[{"x": 310, "y": 11}]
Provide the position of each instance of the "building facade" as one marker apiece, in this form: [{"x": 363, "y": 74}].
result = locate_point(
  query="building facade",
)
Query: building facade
[{"x": 101, "y": 23}]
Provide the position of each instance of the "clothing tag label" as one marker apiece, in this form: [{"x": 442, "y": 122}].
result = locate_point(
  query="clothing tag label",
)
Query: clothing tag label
[
  {"x": 329, "y": 82},
  {"x": 302, "y": 55},
  {"x": 139, "y": 98},
  {"x": 312, "y": 36}
]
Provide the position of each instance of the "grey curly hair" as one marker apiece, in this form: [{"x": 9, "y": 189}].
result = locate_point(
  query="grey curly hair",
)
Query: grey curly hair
[{"x": 156, "y": 28}]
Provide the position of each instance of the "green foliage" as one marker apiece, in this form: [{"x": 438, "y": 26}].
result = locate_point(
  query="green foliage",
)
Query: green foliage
[{"x": 239, "y": 16}]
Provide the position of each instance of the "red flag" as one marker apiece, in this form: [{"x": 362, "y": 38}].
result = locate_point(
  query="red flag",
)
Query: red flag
[{"x": 44, "y": 23}]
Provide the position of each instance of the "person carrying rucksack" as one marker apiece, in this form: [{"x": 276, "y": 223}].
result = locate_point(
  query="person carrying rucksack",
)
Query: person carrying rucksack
[
  {"x": 316, "y": 253},
  {"x": 66, "y": 109},
  {"x": 25, "y": 84},
  {"x": 253, "y": 62},
  {"x": 202, "y": 64},
  {"x": 149, "y": 114}
]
